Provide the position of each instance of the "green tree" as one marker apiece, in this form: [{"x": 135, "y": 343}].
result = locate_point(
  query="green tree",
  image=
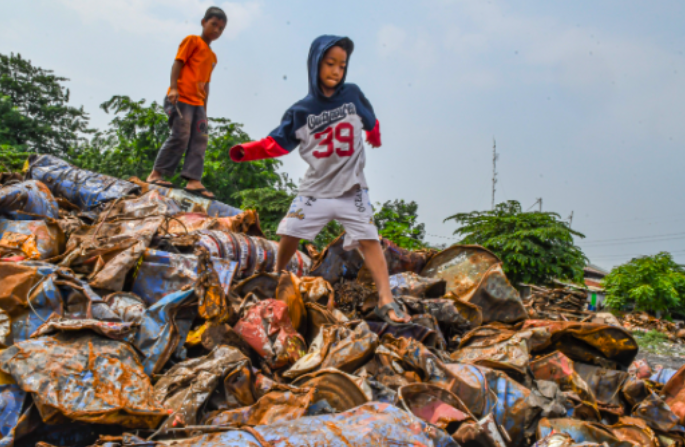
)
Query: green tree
[
  {"x": 396, "y": 220},
  {"x": 11, "y": 158},
  {"x": 534, "y": 247},
  {"x": 651, "y": 283},
  {"x": 136, "y": 133},
  {"x": 34, "y": 115}
]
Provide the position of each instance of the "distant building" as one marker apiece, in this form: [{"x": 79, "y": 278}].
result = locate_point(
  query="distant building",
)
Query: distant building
[{"x": 593, "y": 276}]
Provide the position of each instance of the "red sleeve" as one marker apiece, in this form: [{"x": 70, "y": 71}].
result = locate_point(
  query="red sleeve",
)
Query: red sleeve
[
  {"x": 373, "y": 137},
  {"x": 257, "y": 150}
]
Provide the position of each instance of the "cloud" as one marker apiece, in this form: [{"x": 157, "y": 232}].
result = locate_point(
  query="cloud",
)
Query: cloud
[{"x": 161, "y": 19}]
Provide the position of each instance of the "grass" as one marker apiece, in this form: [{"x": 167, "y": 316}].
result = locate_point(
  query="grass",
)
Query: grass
[{"x": 658, "y": 343}]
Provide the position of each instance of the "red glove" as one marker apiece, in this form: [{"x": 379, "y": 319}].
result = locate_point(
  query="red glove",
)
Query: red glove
[
  {"x": 373, "y": 137},
  {"x": 256, "y": 150}
]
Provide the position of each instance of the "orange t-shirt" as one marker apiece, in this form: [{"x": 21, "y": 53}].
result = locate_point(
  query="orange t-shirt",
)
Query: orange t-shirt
[{"x": 198, "y": 62}]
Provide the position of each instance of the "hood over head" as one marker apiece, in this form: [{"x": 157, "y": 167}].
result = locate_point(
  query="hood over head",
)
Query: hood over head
[{"x": 319, "y": 47}]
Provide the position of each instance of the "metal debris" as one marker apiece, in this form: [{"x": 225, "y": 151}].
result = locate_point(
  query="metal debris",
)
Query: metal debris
[
  {"x": 83, "y": 377},
  {"x": 643, "y": 322},
  {"x": 85, "y": 189},
  {"x": 562, "y": 303},
  {"x": 110, "y": 286}
]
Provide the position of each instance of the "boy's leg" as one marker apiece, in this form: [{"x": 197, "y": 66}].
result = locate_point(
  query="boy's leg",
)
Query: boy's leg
[
  {"x": 305, "y": 219},
  {"x": 286, "y": 249},
  {"x": 173, "y": 148},
  {"x": 374, "y": 259},
  {"x": 194, "y": 164},
  {"x": 355, "y": 213}
]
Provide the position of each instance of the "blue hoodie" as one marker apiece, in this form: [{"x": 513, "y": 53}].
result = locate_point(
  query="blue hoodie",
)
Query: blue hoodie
[{"x": 328, "y": 131}]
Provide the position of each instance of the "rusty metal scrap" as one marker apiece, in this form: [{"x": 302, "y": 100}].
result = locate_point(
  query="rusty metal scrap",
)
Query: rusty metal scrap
[
  {"x": 435, "y": 405},
  {"x": 674, "y": 394},
  {"x": 581, "y": 431},
  {"x": 109, "y": 287},
  {"x": 189, "y": 202},
  {"x": 60, "y": 370},
  {"x": 562, "y": 303},
  {"x": 592, "y": 343},
  {"x": 246, "y": 222},
  {"x": 85, "y": 189},
  {"x": 345, "y": 347},
  {"x": 338, "y": 390},
  {"x": 267, "y": 328},
  {"x": 643, "y": 322},
  {"x": 275, "y": 406},
  {"x": 374, "y": 424},
  {"x": 558, "y": 368},
  {"x": 252, "y": 253},
  {"x": 161, "y": 332},
  {"x": 30, "y": 239},
  {"x": 159, "y": 273},
  {"x": 475, "y": 275},
  {"x": 29, "y": 200},
  {"x": 109, "y": 329},
  {"x": 187, "y": 385},
  {"x": 411, "y": 284},
  {"x": 495, "y": 348}
]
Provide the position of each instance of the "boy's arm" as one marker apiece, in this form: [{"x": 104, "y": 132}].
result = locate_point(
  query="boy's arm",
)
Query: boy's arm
[
  {"x": 257, "y": 150},
  {"x": 371, "y": 124},
  {"x": 175, "y": 74},
  {"x": 206, "y": 96},
  {"x": 280, "y": 142}
]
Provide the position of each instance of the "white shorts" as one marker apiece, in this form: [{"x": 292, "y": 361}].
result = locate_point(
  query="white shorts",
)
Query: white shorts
[{"x": 308, "y": 215}]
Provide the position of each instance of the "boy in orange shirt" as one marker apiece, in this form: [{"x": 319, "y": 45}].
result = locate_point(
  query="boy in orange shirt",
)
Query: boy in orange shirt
[{"x": 186, "y": 107}]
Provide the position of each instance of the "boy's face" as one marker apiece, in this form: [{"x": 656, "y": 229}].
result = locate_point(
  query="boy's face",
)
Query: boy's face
[
  {"x": 213, "y": 28},
  {"x": 332, "y": 68}
]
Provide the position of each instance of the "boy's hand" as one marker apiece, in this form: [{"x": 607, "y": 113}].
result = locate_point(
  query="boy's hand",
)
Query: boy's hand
[
  {"x": 173, "y": 95},
  {"x": 373, "y": 137}
]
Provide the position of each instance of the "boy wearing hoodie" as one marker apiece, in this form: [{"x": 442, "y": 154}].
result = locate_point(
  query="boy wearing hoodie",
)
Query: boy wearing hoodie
[{"x": 327, "y": 125}]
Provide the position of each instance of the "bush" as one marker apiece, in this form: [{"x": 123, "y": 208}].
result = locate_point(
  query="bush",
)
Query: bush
[
  {"x": 534, "y": 247},
  {"x": 649, "y": 283}
]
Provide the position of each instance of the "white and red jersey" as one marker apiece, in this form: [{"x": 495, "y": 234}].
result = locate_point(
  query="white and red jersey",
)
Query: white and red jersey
[{"x": 328, "y": 131}]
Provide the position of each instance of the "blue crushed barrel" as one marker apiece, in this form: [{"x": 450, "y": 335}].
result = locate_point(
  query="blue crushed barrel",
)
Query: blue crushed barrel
[
  {"x": 161, "y": 273},
  {"x": 29, "y": 200},
  {"x": 85, "y": 189},
  {"x": 252, "y": 253}
]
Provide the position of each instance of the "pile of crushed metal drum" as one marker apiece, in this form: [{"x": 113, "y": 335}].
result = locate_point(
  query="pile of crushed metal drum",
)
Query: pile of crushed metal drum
[{"x": 135, "y": 315}]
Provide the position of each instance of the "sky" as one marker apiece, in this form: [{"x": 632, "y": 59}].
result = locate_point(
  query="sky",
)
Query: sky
[{"x": 585, "y": 99}]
